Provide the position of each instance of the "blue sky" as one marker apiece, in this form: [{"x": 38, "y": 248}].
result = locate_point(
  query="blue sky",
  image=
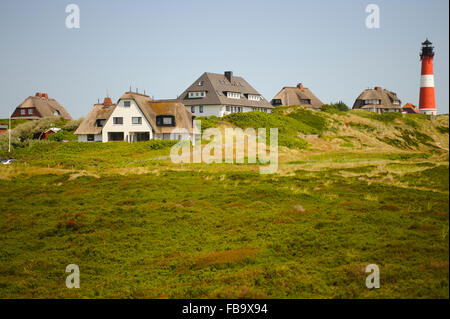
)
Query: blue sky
[{"x": 163, "y": 46}]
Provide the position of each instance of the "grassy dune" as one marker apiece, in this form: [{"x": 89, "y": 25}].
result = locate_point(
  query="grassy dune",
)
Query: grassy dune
[{"x": 147, "y": 228}]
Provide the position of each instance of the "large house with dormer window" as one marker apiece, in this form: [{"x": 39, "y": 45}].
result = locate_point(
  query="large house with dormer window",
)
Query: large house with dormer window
[
  {"x": 215, "y": 94},
  {"x": 378, "y": 100},
  {"x": 136, "y": 117}
]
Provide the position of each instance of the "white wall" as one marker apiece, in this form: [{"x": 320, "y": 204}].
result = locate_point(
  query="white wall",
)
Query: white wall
[
  {"x": 83, "y": 138},
  {"x": 218, "y": 110},
  {"x": 126, "y": 113}
]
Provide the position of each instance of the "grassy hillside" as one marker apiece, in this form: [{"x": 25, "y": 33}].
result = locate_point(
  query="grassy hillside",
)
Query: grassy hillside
[{"x": 369, "y": 189}]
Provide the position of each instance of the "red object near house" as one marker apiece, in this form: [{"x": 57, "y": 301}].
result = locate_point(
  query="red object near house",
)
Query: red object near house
[
  {"x": 3, "y": 128},
  {"x": 46, "y": 134},
  {"x": 427, "y": 103}
]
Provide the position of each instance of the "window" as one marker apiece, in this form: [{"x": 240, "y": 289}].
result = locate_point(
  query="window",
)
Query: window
[
  {"x": 276, "y": 102},
  {"x": 56, "y": 113},
  {"x": 127, "y": 103},
  {"x": 166, "y": 136},
  {"x": 136, "y": 120},
  {"x": 30, "y": 111},
  {"x": 254, "y": 97},
  {"x": 233, "y": 95},
  {"x": 23, "y": 112},
  {"x": 90, "y": 137},
  {"x": 368, "y": 102},
  {"x": 305, "y": 101},
  {"x": 100, "y": 122},
  {"x": 396, "y": 102},
  {"x": 118, "y": 120},
  {"x": 201, "y": 83},
  {"x": 200, "y": 109},
  {"x": 192, "y": 109},
  {"x": 227, "y": 108},
  {"x": 165, "y": 120},
  {"x": 196, "y": 95}
]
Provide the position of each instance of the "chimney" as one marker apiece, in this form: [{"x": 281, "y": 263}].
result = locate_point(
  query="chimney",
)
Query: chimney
[
  {"x": 229, "y": 75},
  {"x": 45, "y": 95},
  {"x": 378, "y": 88},
  {"x": 300, "y": 86},
  {"x": 107, "y": 101},
  {"x": 39, "y": 94}
]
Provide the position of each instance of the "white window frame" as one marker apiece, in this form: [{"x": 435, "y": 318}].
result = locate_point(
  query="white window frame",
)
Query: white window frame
[
  {"x": 115, "y": 118},
  {"x": 138, "y": 118}
]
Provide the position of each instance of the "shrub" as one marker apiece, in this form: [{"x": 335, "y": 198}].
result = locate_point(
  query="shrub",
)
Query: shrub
[
  {"x": 335, "y": 107},
  {"x": 208, "y": 122}
]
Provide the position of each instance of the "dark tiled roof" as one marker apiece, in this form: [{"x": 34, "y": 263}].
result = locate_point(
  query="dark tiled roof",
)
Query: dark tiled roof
[{"x": 216, "y": 86}]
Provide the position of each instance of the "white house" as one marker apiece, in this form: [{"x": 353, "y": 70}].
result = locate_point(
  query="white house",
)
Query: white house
[
  {"x": 136, "y": 118},
  {"x": 215, "y": 94}
]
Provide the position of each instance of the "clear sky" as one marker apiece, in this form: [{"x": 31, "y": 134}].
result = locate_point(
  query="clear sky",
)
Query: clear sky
[{"x": 163, "y": 46}]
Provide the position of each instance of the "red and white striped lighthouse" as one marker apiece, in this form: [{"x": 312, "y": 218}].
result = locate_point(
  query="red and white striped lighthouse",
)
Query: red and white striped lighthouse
[{"x": 427, "y": 102}]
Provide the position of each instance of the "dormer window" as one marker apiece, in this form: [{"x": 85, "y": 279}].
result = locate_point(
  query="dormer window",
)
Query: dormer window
[
  {"x": 369, "y": 102},
  {"x": 396, "y": 102},
  {"x": 56, "y": 113},
  {"x": 165, "y": 120},
  {"x": 276, "y": 102},
  {"x": 233, "y": 95},
  {"x": 254, "y": 97},
  {"x": 305, "y": 101},
  {"x": 196, "y": 95},
  {"x": 100, "y": 122}
]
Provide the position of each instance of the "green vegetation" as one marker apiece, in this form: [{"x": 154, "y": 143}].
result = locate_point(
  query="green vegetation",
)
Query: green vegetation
[
  {"x": 139, "y": 226},
  {"x": 337, "y": 108},
  {"x": 208, "y": 122},
  {"x": 386, "y": 117},
  {"x": 290, "y": 125},
  {"x": 14, "y": 122},
  {"x": 223, "y": 234},
  {"x": 25, "y": 131}
]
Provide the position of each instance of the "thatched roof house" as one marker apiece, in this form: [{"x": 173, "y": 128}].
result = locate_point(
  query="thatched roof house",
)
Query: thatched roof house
[
  {"x": 378, "y": 100},
  {"x": 298, "y": 95},
  {"x": 93, "y": 123},
  {"x": 39, "y": 106},
  {"x": 153, "y": 110},
  {"x": 136, "y": 117}
]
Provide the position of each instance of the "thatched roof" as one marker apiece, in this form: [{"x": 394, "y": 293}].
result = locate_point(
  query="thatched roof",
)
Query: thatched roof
[
  {"x": 377, "y": 93},
  {"x": 151, "y": 109},
  {"x": 216, "y": 86},
  {"x": 46, "y": 107},
  {"x": 98, "y": 112},
  {"x": 294, "y": 96}
]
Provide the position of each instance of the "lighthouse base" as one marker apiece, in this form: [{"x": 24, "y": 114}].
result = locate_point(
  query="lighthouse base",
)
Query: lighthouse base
[{"x": 428, "y": 112}]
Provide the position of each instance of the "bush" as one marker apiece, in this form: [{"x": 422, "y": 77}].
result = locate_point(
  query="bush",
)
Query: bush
[
  {"x": 333, "y": 107},
  {"x": 62, "y": 135},
  {"x": 72, "y": 125},
  {"x": 208, "y": 122}
]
